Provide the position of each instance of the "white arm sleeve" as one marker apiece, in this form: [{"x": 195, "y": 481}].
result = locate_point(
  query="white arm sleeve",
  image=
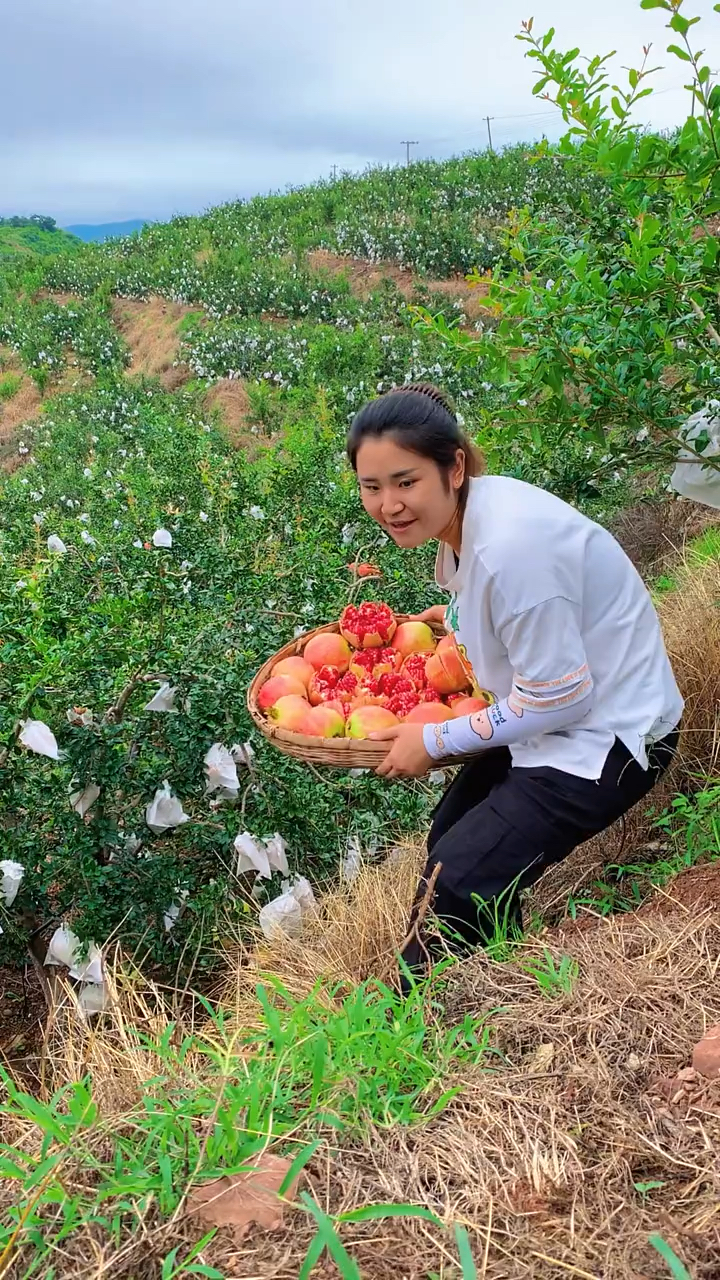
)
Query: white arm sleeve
[{"x": 552, "y": 686}]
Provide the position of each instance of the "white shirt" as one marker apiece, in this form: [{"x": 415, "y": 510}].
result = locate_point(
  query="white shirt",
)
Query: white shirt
[{"x": 545, "y": 599}]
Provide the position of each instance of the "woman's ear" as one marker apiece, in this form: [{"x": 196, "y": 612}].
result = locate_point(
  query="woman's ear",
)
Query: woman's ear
[{"x": 457, "y": 474}]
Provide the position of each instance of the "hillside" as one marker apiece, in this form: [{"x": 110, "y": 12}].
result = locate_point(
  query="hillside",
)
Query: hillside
[{"x": 35, "y": 240}]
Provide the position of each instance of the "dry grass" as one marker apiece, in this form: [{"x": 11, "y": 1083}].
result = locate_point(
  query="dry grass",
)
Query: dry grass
[
  {"x": 151, "y": 331},
  {"x": 654, "y": 534},
  {"x": 538, "y": 1154},
  {"x": 690, "y": 619},
  {"x": 229, "y": 398},
  {"x": 20, "y": 409},
  {"x": 365, "y": 277}
]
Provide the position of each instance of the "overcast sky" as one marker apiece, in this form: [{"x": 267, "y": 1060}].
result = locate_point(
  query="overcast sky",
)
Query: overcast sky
[{"x": 115, "y": 109}]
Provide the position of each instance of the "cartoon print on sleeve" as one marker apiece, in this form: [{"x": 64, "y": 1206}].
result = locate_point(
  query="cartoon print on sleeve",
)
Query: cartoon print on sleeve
[{"x": 484, "y": 723}]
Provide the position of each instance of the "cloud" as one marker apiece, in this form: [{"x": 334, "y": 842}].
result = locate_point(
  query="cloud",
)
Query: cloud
[{"x": 125, "y": 109}]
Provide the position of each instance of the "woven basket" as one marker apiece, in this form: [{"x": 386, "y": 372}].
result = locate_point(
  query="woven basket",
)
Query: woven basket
[{"x": 338, "y": 753}]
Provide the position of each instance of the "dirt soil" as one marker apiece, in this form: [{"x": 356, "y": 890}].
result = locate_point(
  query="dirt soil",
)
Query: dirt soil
[
  {"x": 62, "y": 299},
  {"x": 365, "y": 277},
  {"x": 22, "y": 1019},
  {"x": 151, "y": 331},
  {"x": 23, "y": 407},
  {"x": 689, "y": 894}
]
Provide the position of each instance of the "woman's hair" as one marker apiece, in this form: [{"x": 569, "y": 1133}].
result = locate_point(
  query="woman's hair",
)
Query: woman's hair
[{"x": 419, "y": 417}]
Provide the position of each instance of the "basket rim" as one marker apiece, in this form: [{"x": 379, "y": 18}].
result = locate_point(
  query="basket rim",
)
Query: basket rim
[{"x": 342, "y": 753}]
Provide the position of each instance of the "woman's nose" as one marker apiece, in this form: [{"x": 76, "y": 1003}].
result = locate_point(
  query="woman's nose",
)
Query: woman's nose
[{"x": 391, "y": 505}]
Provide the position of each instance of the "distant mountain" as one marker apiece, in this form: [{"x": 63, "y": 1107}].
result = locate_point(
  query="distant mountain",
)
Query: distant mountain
[{"x": 104, "y": 230}]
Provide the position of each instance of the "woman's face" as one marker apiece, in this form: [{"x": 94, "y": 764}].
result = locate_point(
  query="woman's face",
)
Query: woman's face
[{"x": 407, "y": 494}]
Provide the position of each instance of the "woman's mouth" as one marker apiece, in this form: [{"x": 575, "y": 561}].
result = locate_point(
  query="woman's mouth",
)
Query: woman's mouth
[{"x": 400, "y": 526}]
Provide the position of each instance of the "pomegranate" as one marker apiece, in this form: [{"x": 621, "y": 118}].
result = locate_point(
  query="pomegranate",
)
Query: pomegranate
[
  {"x": 369, "y": 625},
  {"x": 402, "y": 703},
  {"x": 279, "y": 687},
  {"x": 325, "y": 722},
  {"x": 468, "y": 706},
  {"x": 330, "y": 683},
  {"x": 374, "y": 662},
  {"x": 336, "y": 704},
  {"x": 298, "y": 668},
  {"x": 365, "y": 570},
  {"x": 429, "y": 713},
  {"x": 430, "y": 695},
  {"x": 328, "y": 649},
  {"x": 445, "y": 670},
  {"x": 414, "y": 669},
  {"x": 367, "y": 720},
  {"x": 292, "y": 712},
  {"x": 366, "y": 698},
  {"x": 414, "y": 637}
]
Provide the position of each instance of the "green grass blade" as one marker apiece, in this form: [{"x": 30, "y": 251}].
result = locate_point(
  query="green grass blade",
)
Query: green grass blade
[
  {"x": 678, "y": 1270},
  {"x": 469, "y": 1270},
  {"x": 346, "y": 1265},
  {"x": 373, "y": 1211}
]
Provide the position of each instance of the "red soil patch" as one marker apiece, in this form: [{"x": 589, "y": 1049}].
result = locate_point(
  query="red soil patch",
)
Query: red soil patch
[
  {"x": 62, "y": 299},
  {"x": 150, "y": 330},
  {"x": 365, "y": 277},
  {"x": 688, "y": 894},
  {"x": 22, "y": 1017},
  {"x": 20, "y": 408}
]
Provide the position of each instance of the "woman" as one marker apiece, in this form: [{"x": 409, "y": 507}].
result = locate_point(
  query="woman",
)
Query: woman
[{"x": 557, "y": 624}]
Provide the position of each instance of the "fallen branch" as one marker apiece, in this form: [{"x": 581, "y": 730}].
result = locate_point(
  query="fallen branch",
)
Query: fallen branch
[{"x": 423, "y": 908}]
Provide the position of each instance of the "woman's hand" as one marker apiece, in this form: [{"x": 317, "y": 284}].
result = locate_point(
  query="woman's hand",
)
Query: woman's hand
[
  {"x": 407, "y": 757},
  {"x": 436, "y": 613}
]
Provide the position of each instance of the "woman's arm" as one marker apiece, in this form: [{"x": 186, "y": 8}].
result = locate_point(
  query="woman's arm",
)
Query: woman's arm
[
  {"x": 500, "y": 725},
  {"x": 552, "y": 687}
]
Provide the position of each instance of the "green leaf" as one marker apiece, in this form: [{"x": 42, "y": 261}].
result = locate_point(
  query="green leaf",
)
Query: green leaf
[
  {"x": 678, "y": 1270},
  {"x": 714, "y": 99},
  {"x": 346, "y": 1265},
  {"x": 370, "y": 1212},
  {"x": 679, "y": 53},
  {"x": 312, "y": 1257},
  {"x": 298, "y": 1164},
  {"x": 617, "y": 107},
  {"x": 680, "y": 24},
  {"x": 656, "y": 4},
  {"x": 467, "y": 1262}
]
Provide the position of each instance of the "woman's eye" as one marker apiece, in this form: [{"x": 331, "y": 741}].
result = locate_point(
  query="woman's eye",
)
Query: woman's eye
[{"x": 406, "y": 484}]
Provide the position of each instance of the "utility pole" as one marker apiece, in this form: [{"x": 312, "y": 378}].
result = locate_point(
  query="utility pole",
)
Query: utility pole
[
  {"x": 334, "y": 172},
  {"x": 408, "y": 144},
  {"x": 487, "y": 120}
]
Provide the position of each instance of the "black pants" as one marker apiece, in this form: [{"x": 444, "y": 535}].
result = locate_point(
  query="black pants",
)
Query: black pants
[{"x": 497, "y": 828}]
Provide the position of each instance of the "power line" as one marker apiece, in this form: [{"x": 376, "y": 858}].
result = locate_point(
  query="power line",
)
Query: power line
[{"x": 408, "y": 144}]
